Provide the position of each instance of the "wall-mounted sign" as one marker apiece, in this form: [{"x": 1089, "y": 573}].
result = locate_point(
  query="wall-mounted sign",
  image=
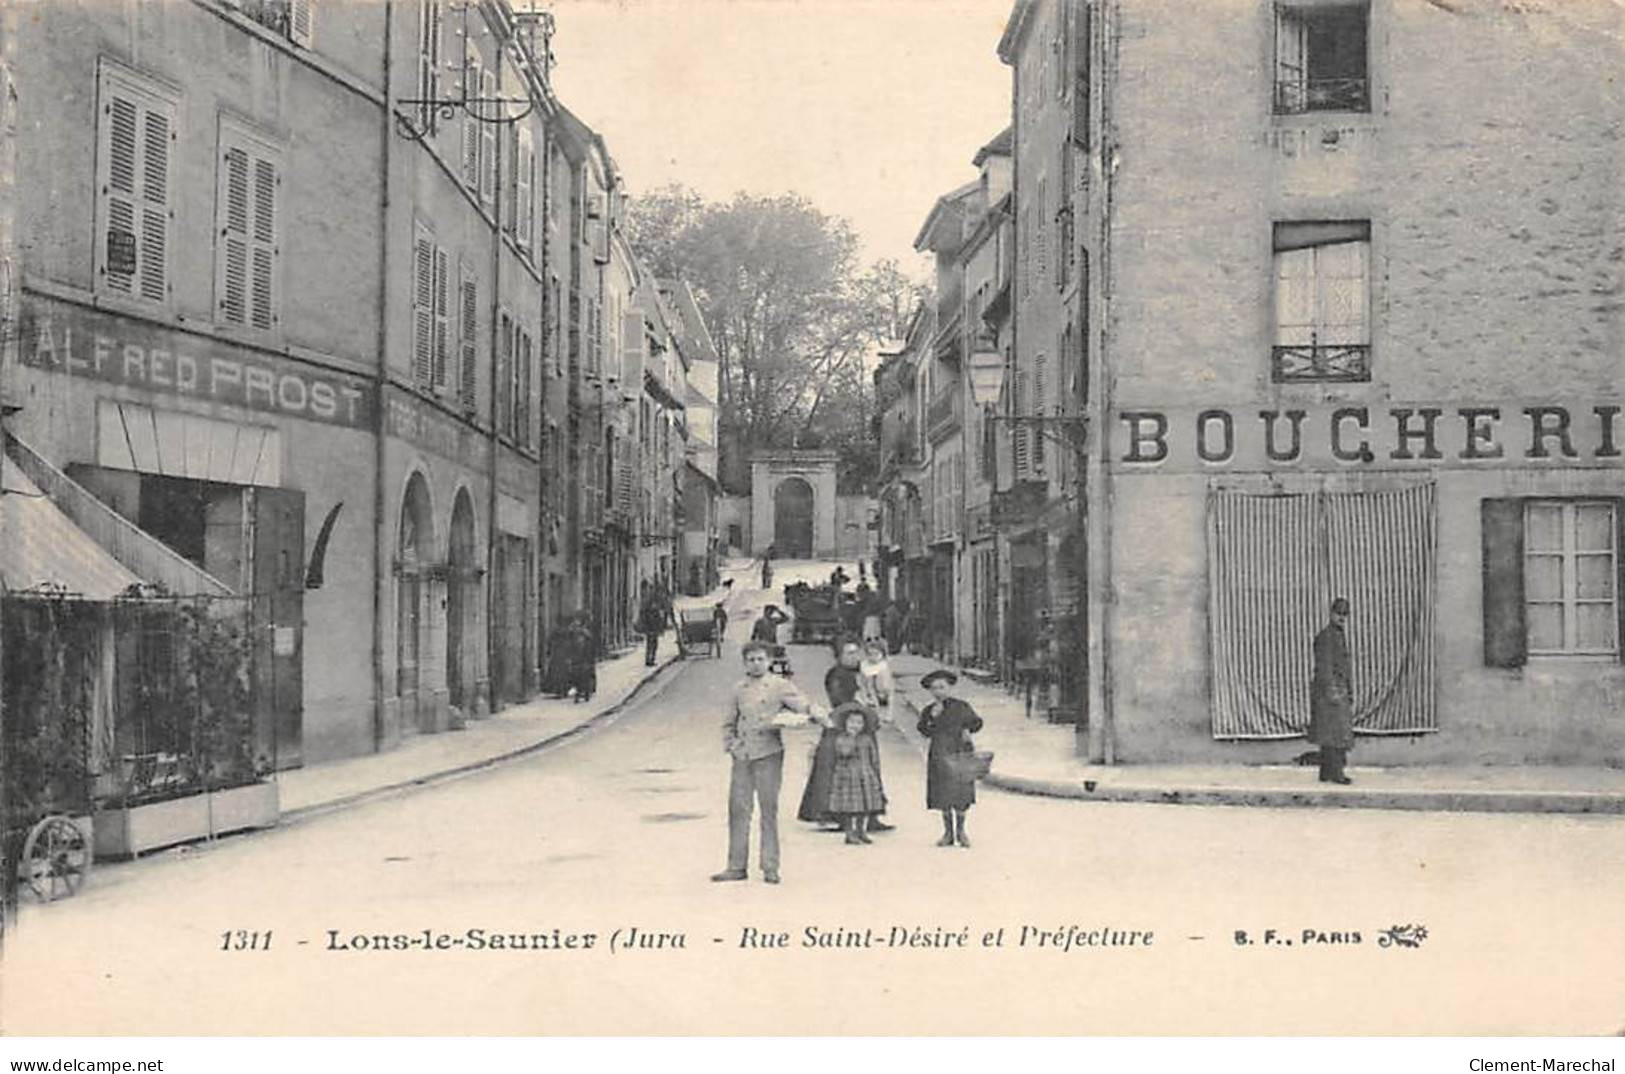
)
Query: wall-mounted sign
[
  {"x": 61, "y": 337},
  {"x": 1355, "y": 436}
]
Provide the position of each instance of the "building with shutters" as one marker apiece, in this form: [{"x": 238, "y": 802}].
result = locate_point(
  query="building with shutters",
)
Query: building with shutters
[
  {"x": 344, "y": 350},
  {"x": 1352, "y": 329}
]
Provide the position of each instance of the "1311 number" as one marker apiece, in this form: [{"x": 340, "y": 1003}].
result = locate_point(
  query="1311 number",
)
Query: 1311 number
[{"x": 244, "y": 940}]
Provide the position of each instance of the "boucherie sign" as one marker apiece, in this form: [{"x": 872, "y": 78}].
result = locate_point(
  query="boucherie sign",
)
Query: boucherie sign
[{"x": 1369, "y": 436}]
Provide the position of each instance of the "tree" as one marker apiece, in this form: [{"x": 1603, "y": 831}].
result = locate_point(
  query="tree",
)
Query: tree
[{"x": 794, "y": 317}]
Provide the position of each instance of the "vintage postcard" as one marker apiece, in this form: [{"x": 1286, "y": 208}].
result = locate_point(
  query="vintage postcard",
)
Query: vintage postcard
[{"x": 812, "y": 517}]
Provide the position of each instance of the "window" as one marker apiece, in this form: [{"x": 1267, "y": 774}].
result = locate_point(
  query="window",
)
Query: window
[
  {"x": 524, "y": 357},
  {"x": 1041, "y": 234},
  {"x": 473, "y": 137},
  {"x": 247, "y": 256},
  {"x": 431, "y": 39},
  {"x": 135, "y": 218},
  {"x": 1320, "y": 58},
  {"x": 301, "y": 22},
  {"x": 1322, "y": 271},
  {"x": 1571, "y": 577},
  {"x": 504, "y": 373},
  {"x": 1040, "y": 405},
  {"x": 1081, "y": 44}
]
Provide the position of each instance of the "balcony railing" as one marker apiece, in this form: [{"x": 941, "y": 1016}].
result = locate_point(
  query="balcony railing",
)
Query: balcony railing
[
  {"x": 1348, "y": 363},
  {"x": 944, "y": 413},
  {"x": 1296, "y": 96}
]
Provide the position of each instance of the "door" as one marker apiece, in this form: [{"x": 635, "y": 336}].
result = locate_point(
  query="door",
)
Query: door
[
  {"x": 793, "y": 518},
  {"x": 278, "y": 593}
]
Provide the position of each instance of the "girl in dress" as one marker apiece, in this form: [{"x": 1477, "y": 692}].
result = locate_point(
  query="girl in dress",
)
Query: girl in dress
[
  {"x": 948, "y": 722},
  {"x": 855, "y": 792},
  {"x": 877, "y": 686}
]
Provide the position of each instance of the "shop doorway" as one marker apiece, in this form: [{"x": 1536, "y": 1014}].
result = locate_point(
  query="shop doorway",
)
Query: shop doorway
[
  {"x": 413, "y": 556},
  {"x": 462, "y": 604}
]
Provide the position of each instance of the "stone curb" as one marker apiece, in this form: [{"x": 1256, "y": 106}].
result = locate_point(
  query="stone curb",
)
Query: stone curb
[
  {"x": 456, "y": 771},
  {"x": 1486, "y": 801}
]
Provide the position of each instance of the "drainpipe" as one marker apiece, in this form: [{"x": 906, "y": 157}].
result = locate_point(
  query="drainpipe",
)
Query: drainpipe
[
  {"x": 496, "y": 445},
  {"x": 1103, "y": 612},
  {"x": 379, "y": 536}
]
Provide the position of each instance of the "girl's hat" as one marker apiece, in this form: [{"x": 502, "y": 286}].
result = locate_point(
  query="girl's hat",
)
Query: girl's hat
[{"x": 941, "y": 674}]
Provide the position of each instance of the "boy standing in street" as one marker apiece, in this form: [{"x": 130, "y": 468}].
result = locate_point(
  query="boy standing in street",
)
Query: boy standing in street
[{"x": 762, "y": 705}]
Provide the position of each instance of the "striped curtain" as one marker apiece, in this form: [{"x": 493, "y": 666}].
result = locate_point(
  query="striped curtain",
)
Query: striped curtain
[{"x": 1275, "y": 564}]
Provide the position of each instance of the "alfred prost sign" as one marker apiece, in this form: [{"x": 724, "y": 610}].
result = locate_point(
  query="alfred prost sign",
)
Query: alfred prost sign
[{"x": 1585, "y": 433}]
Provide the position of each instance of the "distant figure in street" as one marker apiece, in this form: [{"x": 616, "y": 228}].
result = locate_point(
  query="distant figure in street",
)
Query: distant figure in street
[
  {"x": 1331, "y": 696},
  {"x": 948, "y": 722},
  {"x": 578, "y": 659},
  {"x": 891, "y": 624},
  {"x": 652, "y": 616},
  {"x": 767, "y": 566},
  {"x": 855, "y": 793},
  {"x": 719, "y": 627},
  {"x": 760, "y": 707}
]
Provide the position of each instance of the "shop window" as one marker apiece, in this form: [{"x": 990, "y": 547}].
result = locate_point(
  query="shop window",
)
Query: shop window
[
  {"x": 1320, "y": 58},
  {"x": 135, "y": 216},
  {"x": 1322, "y": 289}
]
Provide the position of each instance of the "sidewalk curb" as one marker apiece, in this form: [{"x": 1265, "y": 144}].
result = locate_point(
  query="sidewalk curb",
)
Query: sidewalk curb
[
  {"x": 431, "y": 778},
  {"x": 1486, "y": 801}
]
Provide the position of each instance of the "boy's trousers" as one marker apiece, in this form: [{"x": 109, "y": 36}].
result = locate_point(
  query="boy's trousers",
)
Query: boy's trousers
[{"x": 761, "y": 777}]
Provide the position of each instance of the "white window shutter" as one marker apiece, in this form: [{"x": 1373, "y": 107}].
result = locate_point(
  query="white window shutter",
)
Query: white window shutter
[
  {"x": 231, "y": 251},
  {"x": 469, "y": 334},
  {"x": 1040, "y": 406},
  {"x": 1018, "y": 439},
  {"x": 301, "y": 22},
  {"x": 422, "y": 306},
  {"x": 488, "y": 143},
  {"x": 442, "y": 316},
  {"x": 120, "y": 153},
  {"x": 471, "y": 129},
  {"x": 1294, "y": 298},
  {"x": 264, "y": 252},
  {"x": 156, "y": 143},
  {"x": 526, "y": 165}
]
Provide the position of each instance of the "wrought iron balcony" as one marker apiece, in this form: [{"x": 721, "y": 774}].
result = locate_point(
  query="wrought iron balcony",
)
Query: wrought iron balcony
[
  {"x": 1347, "y": 363},
  {"x": 1296, "y": 96}
]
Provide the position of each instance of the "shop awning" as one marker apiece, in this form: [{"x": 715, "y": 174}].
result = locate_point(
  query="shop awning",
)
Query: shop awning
[{"x": 40, "y": 546}]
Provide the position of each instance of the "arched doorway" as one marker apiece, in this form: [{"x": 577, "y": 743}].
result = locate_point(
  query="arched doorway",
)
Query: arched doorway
[
  {"x": 793, "y": 518},
  {"x": 461, "y": 603},
  {"x": 414, "y": 554}
]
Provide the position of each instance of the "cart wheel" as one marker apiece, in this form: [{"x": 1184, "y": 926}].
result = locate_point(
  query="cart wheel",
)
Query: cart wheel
[{"x": 56, "y": 859}]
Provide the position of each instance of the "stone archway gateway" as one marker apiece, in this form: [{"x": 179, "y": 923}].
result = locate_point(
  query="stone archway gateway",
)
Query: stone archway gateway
[
  {"x": 793, "y": 502},
  {"x": 793, "y": 518}
]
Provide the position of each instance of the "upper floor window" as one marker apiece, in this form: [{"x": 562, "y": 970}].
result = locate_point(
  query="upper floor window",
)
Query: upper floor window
[
  {"x": 1322, "y": 328},
  {"x": 247, "y": 283},
  {"x": 1320, "y": 58},
  {"x": 431, "y": 42},
  {"x": 135, "y": 215}
]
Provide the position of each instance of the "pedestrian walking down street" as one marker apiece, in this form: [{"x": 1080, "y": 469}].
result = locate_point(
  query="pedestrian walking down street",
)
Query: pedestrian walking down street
[
  {"x": 767, "y": 567},
  {"x": 855, "y": 793},
  {"x": 652, "y": 616},
  {"x": 719, "y": 627},
  {"x": 948, "y": 722},
  {"x": 579, "y": 659},
  {"x": 761, "y": 706},
  {"x": 1331, "y": 696}
]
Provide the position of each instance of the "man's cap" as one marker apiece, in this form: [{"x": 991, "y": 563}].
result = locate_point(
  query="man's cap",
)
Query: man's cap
[
  {"x": 1340, "y": 606},
  {"x": 940, "y": 674}
]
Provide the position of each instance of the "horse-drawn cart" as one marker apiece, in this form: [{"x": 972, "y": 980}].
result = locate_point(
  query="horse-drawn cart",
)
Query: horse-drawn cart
[{"x": 697, "y": 632}]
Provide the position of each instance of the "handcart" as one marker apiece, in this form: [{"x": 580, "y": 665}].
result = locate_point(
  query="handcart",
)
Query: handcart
[{"x": 697, "y": 632}]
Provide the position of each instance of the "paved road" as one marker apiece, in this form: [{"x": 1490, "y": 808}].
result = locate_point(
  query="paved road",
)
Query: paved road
[{"x": 620, "y": 829}]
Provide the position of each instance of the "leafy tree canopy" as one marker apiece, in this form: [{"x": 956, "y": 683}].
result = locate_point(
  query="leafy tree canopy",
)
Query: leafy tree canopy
[{"x": 794, "y": 315}]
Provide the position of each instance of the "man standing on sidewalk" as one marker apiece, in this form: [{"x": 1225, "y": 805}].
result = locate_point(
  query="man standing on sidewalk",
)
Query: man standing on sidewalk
[
  {"x": 1331, "y": 696},
  {"x": 761, "y": 705},
  {"x": 652, "y": 615}
]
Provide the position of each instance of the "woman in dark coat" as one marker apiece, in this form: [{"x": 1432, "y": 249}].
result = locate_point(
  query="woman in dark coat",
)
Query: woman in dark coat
[
  {"x": 578, "y": 659},
  {"x": 841, "y": 684},
  {"x": 948, "y": 722}
]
